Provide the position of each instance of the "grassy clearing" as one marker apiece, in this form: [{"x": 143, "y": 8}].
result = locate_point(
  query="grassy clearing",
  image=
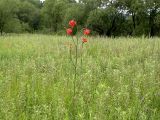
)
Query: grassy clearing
[{"x": 120, "y": 79}]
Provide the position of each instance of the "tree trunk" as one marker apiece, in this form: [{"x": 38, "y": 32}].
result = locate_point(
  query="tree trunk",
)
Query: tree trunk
[
  {"x": 109, "y": 32},
  {"x": 56, "y": 27},
  {"x": 151, "y": 26},
  {"x": 134, "y": 22},
  {"x": 1, "y": 31},
  {"x": 151, "y": 23}
]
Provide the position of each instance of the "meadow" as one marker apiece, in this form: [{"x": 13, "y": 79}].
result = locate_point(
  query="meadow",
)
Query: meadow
[{"x": 119, "y": 79}]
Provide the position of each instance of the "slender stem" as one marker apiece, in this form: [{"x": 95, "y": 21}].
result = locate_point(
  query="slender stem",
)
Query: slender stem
[
  {"x": 75, "y": 74},
  {"x": 71, "y": 58},
  {"x": 82, "y": 57},
  {"x": 73, "y": 41},
  {"x": 77, "y": 39},
  {"x": 71, "y": 53},
  {"x": 76, "y": 63}
]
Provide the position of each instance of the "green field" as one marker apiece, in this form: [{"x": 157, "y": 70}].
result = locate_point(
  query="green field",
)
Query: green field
[{"x": 119, "y": 79}]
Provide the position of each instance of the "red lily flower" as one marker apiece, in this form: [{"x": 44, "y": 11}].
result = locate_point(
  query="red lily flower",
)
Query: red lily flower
[
  {"x": 86, "y": 31},
  {"x": 84, "y": 40},
  {"x": 69, "y": 31},
  {"x": 72, "y": 23}
]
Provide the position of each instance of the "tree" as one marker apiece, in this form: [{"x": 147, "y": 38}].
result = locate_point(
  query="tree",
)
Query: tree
[
  {"x": 53, "y": 12},
  {"x": 76, "y": 12},
  {"x": 91, "y": 4},
  {"x": 152, "y": 9},
  {"x": 7, "y": 12},
  {"x": 133, "y": 8},
  {"x": 107, "y": 19},
  {"x": 29, "y": 15}
]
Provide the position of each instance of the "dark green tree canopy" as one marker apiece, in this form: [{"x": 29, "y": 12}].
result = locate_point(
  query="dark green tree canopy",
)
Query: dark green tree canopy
[{"x": 103, "y": 17}]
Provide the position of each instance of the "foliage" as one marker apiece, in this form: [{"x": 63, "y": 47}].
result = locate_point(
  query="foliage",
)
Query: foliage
[
  {"x": 7, "y": 12},
  {"x": 53, "y": 12}
]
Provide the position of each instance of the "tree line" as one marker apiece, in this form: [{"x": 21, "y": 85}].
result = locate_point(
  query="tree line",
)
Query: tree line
[{"x": 103, "y": 17}]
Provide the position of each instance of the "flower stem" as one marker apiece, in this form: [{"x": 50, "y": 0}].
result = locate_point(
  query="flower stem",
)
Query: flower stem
[
  {"x": 82, "y": 57},
  {"x": 76, "y": 63}
]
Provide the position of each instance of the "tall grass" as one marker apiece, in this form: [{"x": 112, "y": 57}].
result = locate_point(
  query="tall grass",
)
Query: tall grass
[{"x": 120, "y": 79}]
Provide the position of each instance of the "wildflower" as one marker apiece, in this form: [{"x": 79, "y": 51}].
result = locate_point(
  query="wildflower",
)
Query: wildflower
[
  {"x": 84, "y": 40},
  {"x": 69, "y": 31},
  {"x": 72, "y": 23},
  {"x": 86, "y": 32}
]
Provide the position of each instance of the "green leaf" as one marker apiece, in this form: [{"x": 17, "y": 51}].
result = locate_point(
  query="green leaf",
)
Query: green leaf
[{"x": 75, "y": 30}]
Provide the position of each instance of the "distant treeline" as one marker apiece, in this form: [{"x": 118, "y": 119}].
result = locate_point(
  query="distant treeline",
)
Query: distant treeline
[{"x": 103, "y": 17}]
